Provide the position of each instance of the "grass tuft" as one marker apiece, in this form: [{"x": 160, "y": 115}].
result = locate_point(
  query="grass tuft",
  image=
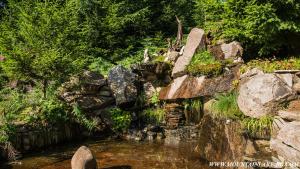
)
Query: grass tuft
[{"x": 226, "y": 106}]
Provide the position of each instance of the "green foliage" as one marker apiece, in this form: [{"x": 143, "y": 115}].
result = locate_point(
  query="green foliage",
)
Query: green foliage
[
  {"x": 159, "y": 59},
  {"x": 193, "y": 105},
  {"x": 260, "y": 25},
  {"x": 32, "y": 107},
  {"x": 6, "y": 129},
  {"x": 101, "y": 66},
  {"x": 270, "y": 66},
  {"x": 82, "y": 119},
  {"x": 204, "y": 63},
  {"x": 193, "y": 109},
  {"x": 226, "y": 106},
  {"x": 253, "y": 125},
  {"x": 121, "y": 119},
  {"x": 155, "y": 99},
  {"x": 154, "y": 115},
  {"x": 208, "y": 15},
  {"x": 39, "y": 42}
]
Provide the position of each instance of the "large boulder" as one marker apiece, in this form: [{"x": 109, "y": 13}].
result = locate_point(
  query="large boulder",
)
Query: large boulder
[
  {"x": 195, "y": 41},
  {"x": 185, "y": 87},
  {"x": 220, "y": 140},
  {"x": 83, "y": 159},
  {"x": 123, "y": 85},
  {"x": 90, "y": 91},
  {"x": 287, "y": 142},
  {"x": 232, "y": 50},
  {"x": 263, "y": 94},
  {"x": 158, "y": 73}
]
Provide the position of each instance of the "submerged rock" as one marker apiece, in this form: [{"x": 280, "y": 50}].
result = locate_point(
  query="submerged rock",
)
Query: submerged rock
[
  {"x": 122, "y": 83},
  {"x": 263, "y": 94},
  {"x": 195, "y": 41},
  {"x": 83, "y": 159}
]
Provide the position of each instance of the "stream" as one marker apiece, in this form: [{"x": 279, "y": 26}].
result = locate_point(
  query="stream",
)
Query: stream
[{"x": 117, "y": 155}]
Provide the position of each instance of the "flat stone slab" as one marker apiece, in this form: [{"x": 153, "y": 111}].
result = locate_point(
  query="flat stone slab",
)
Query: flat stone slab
[
  {"x": 286, "y": 71},
  {"x": 186, "y": 87},
  {"x": 195, "y": 40},
  {"x": 289, "y": 115}
]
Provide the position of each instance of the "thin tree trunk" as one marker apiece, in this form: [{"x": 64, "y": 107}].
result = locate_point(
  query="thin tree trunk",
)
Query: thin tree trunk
[
  {"x": 45, "y": 85},
  {"x": 179, "y": 34}
]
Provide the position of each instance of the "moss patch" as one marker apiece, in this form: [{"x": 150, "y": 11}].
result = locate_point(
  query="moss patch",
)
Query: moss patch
[{"x": 204, "y": 63}]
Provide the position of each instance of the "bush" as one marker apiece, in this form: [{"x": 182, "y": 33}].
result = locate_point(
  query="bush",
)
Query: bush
[
  {"x": 82, "y": 119},
  {"x": 259, "y": 25},
  {"x": 204, "y": 63},
  {"x": 121, "y": 119},
  {"x": 154, "y": 115}
]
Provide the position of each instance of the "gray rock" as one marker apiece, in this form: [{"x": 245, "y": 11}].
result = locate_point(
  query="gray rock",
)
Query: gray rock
[
  {"x": 263, "y": 94},
  {"x": 250, "y": 149},
  {"x": 251, "y": 72},
  {"x": 287, "y": 78},
  {"x": 93, "y": 102},
  {"x": 287, "y": 142},
  {"x": 232, "y": 50},
  {"x": 195, "y": 41},
  {"x": 172, "y": 57},
  {"x": 122, "y": 83},
  {"x": 296, "y": 87},
  {"x": 158, "y": 73},
  {"x": 220, "y": 141},
  {"x": 289, "y": 115},
  {"x": 83, "y": 159},
  {"x": 105, "y": 93},
  {"x": 149, "y": 90},
  {"x": 89, "y": 90},
  {"x": 185, "y": 87}
]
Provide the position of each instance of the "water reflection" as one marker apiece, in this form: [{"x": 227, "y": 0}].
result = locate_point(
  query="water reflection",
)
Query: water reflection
[{"x": 118, "y": 155}]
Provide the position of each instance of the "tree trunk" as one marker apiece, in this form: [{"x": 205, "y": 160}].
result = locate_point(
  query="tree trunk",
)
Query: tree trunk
[
  {"x": 179, "y": 35},
  {"x": 45, "y": 85}
]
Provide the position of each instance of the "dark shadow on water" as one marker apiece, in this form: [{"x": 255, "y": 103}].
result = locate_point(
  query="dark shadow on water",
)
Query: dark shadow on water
[
  {"x": 6, "y": 166},
  {"x": 119, "y": 167}
]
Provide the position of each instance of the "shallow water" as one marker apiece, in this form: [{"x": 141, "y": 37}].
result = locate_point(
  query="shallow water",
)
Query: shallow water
[{"x": 118, "y": 155}]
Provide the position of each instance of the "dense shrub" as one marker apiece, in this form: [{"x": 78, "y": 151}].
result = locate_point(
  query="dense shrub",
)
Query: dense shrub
[
  {"x": 264, "y": 27},
  {"x": 121, "y": 119}
]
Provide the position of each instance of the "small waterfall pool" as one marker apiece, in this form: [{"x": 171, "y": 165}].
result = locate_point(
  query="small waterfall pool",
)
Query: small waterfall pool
[{"x": 118, "y": 155}]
